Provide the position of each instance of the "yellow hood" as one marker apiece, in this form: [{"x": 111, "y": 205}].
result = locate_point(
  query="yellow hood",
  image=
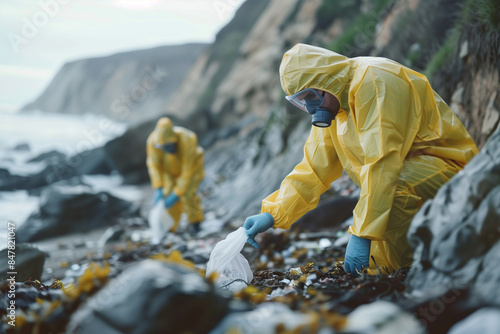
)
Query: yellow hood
[
  {"x": 306, "y": 66},
  {"x": 164, "y": 131}
]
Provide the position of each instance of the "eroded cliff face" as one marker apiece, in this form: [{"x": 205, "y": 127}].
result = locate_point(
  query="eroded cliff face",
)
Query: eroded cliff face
[
  {"x": 130, "y": 87},
  {"x": 455, "y": 43},
  {"x": 253, "y": 84},
  {"x": 476, "y": 100},
  {"x": 415, "y": 33}
]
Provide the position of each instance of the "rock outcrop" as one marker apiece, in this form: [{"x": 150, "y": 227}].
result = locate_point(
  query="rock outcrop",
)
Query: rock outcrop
[
  {"x": 456, "y": 236},
  {"x": 58, "y": 167},
  {"x": 127, "y": 153}
]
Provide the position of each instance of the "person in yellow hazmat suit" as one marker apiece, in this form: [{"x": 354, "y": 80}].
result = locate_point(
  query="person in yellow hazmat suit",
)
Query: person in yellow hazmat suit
[
  {"x": 175, "y": 166},
  {"x": 384, "y": 125}
]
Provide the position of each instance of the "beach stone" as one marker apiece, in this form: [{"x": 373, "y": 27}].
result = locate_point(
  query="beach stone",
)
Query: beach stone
[
  {"x": 29, "y": 261},
  {"x": 66, "y": 210},
  {"x": 58, "y": 168},
  {"x": 152, "y": 297},
  {"x": 264, "y": 319},
  {"x": 382, "y": 317},
  {"x": 484, "y": 321}
]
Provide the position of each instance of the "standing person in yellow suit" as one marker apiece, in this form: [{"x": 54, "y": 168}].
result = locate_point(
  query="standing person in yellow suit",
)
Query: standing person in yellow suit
[
  {"x": 175, "y": 166},
  {"x": 382, "y": 124}
]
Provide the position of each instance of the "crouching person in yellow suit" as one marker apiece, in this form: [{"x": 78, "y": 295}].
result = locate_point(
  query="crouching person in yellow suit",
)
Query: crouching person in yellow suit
[
  {"x": 382, "y": 124},
  {"x": 175, "y": 166}
]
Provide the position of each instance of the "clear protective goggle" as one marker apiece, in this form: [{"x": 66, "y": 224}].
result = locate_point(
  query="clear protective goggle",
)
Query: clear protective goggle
[
  {"x": 167, "y": 147},
  {"x": 299, "y": 99}
]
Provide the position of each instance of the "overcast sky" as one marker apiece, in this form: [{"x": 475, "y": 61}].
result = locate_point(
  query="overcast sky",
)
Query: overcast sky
[{"x": 38, "y": 36}]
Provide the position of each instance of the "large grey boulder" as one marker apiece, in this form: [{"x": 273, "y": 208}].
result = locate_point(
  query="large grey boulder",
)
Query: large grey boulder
[
  {"x": 152, "y": 297},
  {"x": 456, "y": 236},
  {"x": 65, "y": 210},
  {"x": 127, "y": 153}
]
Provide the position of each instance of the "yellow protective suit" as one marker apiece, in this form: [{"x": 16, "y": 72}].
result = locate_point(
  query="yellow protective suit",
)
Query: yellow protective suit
[
  {"x": 394, "y": 136},
  {"x": 180, "y": 172}
]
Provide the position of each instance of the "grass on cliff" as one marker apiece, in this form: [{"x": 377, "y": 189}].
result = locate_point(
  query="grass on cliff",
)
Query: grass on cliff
[
  {"x": 360, "y": 33},
  {"x": 479, "y": 26}
]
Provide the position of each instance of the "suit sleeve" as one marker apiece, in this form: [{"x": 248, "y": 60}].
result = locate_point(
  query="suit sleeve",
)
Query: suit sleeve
[{"x": 300, "y": 191}]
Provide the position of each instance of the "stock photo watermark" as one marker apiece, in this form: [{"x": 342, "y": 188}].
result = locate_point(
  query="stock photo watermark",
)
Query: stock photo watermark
[
  {"x": 31, "y": 25},
  {"x": 11, "y": 261}
]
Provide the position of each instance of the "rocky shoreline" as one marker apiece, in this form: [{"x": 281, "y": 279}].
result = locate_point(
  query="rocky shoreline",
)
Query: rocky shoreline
[{"x": 103, "y": 280}]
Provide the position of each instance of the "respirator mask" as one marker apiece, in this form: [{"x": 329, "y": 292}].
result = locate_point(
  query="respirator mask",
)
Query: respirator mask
[{"x": 309, "y": 100}]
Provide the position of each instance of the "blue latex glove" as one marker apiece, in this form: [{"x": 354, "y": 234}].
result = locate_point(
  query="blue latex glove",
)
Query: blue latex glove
[
  {"x": 158, "y": 195},
  {"x": 257, "y": 224},
  {"x": 357, "y": 255},
  {"x": 170, "y": 200}
]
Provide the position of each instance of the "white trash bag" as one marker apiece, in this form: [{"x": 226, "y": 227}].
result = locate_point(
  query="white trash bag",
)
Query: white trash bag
[
  {"x": 160, "y": 222},
  {"x": 226, "y": 259}
]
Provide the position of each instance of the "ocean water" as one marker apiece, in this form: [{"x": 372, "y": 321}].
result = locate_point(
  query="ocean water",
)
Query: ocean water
[{"x": 39, "y": 132}]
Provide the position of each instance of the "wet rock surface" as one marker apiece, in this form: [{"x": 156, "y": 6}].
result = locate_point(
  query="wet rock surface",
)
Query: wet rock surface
[
  {"x": 57, "y": 167},
  {"x": 127, "y": 153},
  {"x": 65, "y": 210},
  {"x": 456, "y": 240},
  {"x": 457, "y": 235}
]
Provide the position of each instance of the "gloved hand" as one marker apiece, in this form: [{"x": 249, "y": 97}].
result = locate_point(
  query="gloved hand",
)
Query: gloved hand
[
  {"x": 170, "y": 200},
  {"x": 158, "y": 195},
  {"x": 257, "y": 224},
  {"x": 357, "y": 255}
]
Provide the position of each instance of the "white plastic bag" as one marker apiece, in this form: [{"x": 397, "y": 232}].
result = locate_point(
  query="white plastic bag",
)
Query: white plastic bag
[
  {"x": 160, "y": 222},
  {"x": 226, "y": 259}
]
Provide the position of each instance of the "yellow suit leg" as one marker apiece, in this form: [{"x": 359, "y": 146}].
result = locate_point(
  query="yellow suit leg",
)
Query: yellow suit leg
[
  {"x": 175, "y": 212},
  {"x": 420, "y": 179},
  {"x": 191, "y": 201}
]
